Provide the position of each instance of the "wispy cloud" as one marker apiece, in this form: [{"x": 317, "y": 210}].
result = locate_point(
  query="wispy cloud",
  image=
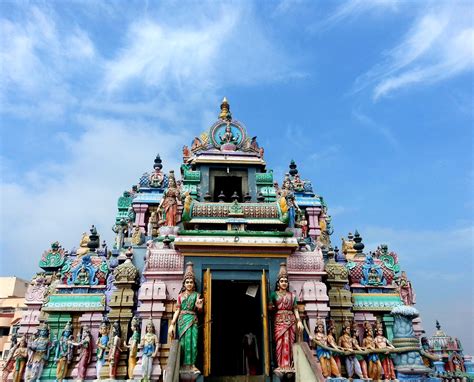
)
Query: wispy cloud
[
  {"x": 382, "y": 130},
  {"x": 353, "y": 9},
  {"x": 205, "y": 54},
  {"x": 325, "y": 153},
  {"x": 438, "y": 46}
]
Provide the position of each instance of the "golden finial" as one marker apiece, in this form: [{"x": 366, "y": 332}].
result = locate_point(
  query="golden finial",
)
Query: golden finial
[{"x": 225, "y": 110}]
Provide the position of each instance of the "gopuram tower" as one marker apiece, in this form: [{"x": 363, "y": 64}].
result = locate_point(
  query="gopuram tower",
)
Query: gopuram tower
[{"x": 219, "y": 271}]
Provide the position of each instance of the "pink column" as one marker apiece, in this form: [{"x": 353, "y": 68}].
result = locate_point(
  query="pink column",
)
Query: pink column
[
  {"x": 140, "y": 210},
  {"x": 313, "y": 222},
  {"x": 152, "y": 295}
]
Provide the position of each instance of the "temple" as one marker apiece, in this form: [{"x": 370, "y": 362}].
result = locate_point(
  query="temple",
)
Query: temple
[{"x": 218, "y": 270}]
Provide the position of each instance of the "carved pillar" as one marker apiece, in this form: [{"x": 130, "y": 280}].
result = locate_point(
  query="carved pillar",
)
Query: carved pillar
[
  {"x": 340, "y": 298},
  {"x": 163, "y": 274},
  {"x": 34, "y": 299},
  {"x": 121, "y": 308},
  {"x": 152, "y": 295},
  {"x": 305, "y": 271},
  {"x": 140, "y": 210},
  {"x": 313, "y": 222}
]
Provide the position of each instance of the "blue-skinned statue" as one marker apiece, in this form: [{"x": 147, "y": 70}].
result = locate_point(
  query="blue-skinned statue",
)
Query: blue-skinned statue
[
  {"x": 38, "y": 354},
  {"x": 63, "y": 355}
]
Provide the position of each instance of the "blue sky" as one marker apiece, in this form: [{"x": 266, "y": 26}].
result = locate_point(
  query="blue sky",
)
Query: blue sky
[{"x": 372, "y": 99}]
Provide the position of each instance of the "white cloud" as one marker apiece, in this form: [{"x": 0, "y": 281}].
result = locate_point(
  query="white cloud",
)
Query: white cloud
[
  {"x": 61, "y": 200},
  {"x": 202, "y": 55},
  {"x": 37, "y": 59},
  {"x": 438, "y": 46}
]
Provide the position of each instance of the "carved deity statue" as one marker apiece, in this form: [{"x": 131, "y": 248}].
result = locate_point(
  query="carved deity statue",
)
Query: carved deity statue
[
  {"x": 38, "y": 354},
  {"x": 102, "y": 343},
  {"x": 372, "y": 273},
  {"x": 83, "y": 248},
  {"x": 323, "y": 352},
  {"x": 156, "y": 178},
  {"x": 132, "y": 345},
  {"x": 298, "y": 184},
  {"x": 360, "y": 358},
  {"x": 9, "y": 364},
  {"x": 63, "y": 355},
  {"x": 228, "y": 136},
  {"x": 406, "y": 291},
  {"x": 375, "y": 367},
  {"x": 286, "y": 321},
  {"x": 383, "y": 343},
  {"x": 20, "y": 356},
  {"x": 188, "y": 304},
  {"x": 287, "y": 201},
  {"x": 85, "y": 356},
  {"x": 149, "y": 344},
  {"x": 169, "y": 204},
  {"x": 136, "y": 235},
  {"x": 82, "y": 277},
  {"x": 346, "y": 342},
  {"x": 186, "y": 152},
  {"x": 115, "y": 349}
]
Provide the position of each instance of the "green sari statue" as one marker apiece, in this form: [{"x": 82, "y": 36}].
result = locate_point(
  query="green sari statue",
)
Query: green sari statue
[
  {"x": 188, "y": 328},
  {"x": 188, "y": 304}
]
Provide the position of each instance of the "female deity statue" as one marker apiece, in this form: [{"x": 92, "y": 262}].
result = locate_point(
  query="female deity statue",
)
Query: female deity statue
[
  {"x": 327, "y": 361},
  {"x": 188, "y": 304},
  {"x": 132, "y": 345},
  {"x": 283, "y": 302},
  {"x": 115, "y": 349},
  {"x": 346, "y": 342},
  {"x": 9, "y": 364},
  {"x": 85, "y": 344},
  {"x": 375, "y": 367},
  {"x": 383, "y": 343},
  {"x": 20, "y": 355},
  {"x": 288, "y": 202},
  {"x": 149, "y": 344},
  {"x": 39, "y": 351},
  {"x": 406, "y": 291},
  {"x": 63, "y": 356},
  {"x": 169, "y": 203},
  {"x": 102, "y": 343},
  {"x": 228, "y": 136}
]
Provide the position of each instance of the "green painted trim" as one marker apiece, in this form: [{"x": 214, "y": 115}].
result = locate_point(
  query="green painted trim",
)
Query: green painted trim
[{"x": 75, "y": 302}]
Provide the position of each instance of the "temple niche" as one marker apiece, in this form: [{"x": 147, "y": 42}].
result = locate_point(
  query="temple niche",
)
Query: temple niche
[{"x": 219, "y": 270}]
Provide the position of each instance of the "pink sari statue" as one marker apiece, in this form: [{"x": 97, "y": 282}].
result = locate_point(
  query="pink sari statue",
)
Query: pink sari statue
[{"x": 283, "y": 302}]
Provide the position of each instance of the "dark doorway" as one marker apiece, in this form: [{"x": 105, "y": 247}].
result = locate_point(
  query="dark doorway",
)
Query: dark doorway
[
  {"x": 228, "y": 185},
  {"x": 235, "y": 314}
]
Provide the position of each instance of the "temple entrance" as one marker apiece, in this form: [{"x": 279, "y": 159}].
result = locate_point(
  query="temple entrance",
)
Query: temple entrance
[{"x": 237, "y": 343}]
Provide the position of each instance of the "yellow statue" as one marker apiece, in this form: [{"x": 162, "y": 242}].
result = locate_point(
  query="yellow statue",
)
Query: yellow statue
[{"x": 83, "y": 248}]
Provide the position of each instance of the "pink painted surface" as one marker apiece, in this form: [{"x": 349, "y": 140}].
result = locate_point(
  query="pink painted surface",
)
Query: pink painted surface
[{"x": 313, "y": 222}]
